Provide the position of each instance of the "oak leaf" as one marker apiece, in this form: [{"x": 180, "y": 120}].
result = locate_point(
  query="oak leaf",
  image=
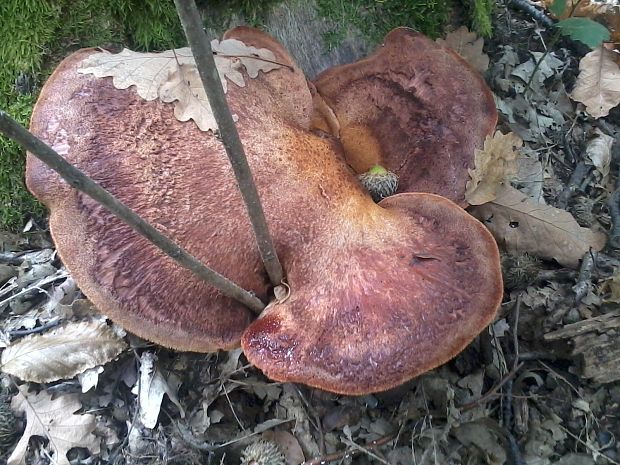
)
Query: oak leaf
[
  {"x": 598, "y": 83},
  {"x": 469, "y": 46},
  {"x": 495, "y": 163},
  {"x": 63, "y": 352},
  {"x": 172, "y": 76},
  {"x": 541, "y": 230},
  {"x": 55, "y": 420}
]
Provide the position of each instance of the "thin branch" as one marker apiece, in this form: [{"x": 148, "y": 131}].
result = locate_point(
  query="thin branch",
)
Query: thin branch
[
  {"x": 201, "y": 49},
  {"x": 347, "y": 453},
  {"x": 75, "y": 178}
]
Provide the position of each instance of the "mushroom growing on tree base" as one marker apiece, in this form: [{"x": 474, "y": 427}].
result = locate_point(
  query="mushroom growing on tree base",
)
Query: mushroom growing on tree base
[{"x": 379, "y": 292}]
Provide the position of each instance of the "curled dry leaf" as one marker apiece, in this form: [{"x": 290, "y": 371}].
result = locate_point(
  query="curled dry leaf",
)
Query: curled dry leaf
[
  {"x": 598, "y": 152},
  {"x": 54, "y": 420},
  {"x": 172, "y": 76},
  {"x": 494, "y": 164},
  {"x": 469, "y": 46},
  {"x": 150, "y": 389},
  {"x": 598, "y": 83},
  {"x": 541, "y": 230},
  {"x": 63, "y": 352}
]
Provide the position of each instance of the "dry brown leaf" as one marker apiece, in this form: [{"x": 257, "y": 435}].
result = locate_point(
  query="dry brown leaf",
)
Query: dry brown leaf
[
  {"x": 54, "y": 420},
  {"x": 612, "y": 286},
  {"x": 494, "y": 164},
  {"x": 598, "y": 83},
  {"x": 63, "y": 352},
  {"x": 598, "y": 152},
  {"x": 171, "y": 76},
  {"x": 521, "y": 225},
  {"x": 469, "y": 46}
]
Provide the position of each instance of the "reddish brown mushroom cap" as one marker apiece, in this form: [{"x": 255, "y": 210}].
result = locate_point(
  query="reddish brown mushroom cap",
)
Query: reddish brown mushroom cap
[
  {"x": 398, "y": 290},
  {"x": 177, "y": 178},
  {"x": 413, "y": 107}
]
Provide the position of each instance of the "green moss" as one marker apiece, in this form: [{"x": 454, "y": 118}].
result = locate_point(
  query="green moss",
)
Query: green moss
[
  {"x": 37, "y": 34},
  {"x": 16, "y": 203},
  {"x": 221, "y": 13},
  {"x": 28, "y": 27},
  {"x": 480, "y": 16},
  {"x": 148, "y": 24},
  {"x": 375, "y": 18}
]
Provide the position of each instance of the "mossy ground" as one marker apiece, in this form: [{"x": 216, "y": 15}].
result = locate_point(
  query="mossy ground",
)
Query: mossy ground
[{"x": 39, "y": 33}]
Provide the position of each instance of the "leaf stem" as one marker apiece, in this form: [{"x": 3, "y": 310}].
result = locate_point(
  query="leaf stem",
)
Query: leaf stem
[
  {"x": 201, "y": 49},
  {"x": 80, "y": 181}
]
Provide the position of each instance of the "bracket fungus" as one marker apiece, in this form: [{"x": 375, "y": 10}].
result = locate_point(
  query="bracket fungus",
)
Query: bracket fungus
[
  {"x": 379, "y": 292},
  {"x": 414, "y": 107}
]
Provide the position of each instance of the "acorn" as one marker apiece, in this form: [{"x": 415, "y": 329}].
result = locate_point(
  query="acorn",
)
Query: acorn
[
  {"x": 379, "y": 182},
  {"x": 262, "y": 453},
  {"x": 519, "y": 271}
]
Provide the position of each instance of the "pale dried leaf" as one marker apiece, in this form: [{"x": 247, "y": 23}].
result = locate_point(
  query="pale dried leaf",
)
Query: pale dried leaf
[
  {"x": 253, "y": 59},
  {"x": 54, "y": 420},
  {"x": 529, "y": 177},
  {"x": 598, "y": 152},
  {"x": 63, "y": 352},
  {"x": 90, "y": 378},
  {"x": 494, "y": 164},
  {"x": 150, "y": 388},
  {"x": 598, "y": 83},
  {"x": 469, "y": 46},
  {"x": 171, "y": 76},
  {"x": 521, "y": 225}
]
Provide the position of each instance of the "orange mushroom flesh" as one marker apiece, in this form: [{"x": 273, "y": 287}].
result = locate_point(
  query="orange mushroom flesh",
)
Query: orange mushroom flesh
[
  {"x": 379, "y": 292},
  {"x": 414, "y": 107}
]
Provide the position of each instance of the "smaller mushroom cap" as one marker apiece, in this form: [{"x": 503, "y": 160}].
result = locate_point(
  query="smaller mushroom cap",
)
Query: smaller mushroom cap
[
  {"x": 389, "y": 292},
  {"x": 413, "y": 107}
]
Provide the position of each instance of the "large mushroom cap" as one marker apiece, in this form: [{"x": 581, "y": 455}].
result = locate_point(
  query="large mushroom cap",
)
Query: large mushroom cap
[
  {"x": 394, "y": 291},
  {"x": 379, "y": 293},
  {"x": 414, "y": 107},
  {"x": 174, "y": 176}
]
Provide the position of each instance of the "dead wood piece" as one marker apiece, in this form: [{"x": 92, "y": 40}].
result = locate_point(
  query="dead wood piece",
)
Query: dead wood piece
[
  {"x": 595, "y": 344},
  {"x": 527, "y": 7}
]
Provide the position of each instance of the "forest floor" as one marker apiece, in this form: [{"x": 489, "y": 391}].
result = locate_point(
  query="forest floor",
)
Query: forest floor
[{"x": 540, "y": 386}]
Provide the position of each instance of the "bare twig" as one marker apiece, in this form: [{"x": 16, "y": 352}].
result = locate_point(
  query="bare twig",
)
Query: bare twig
[
  {"x": 254, "y": 57},
  {"x": 77, "y": 179},
  {"x": 349, "y": 453},
  {"x": 317, "y": 419},
  {"x": 516, "y": 366},
  {"x": 39, "y": 329},
  {"x": 613, "y": 203},
  {"x": 584, "y": 282},
  {"x": 203, "y": 55},
  {"x": 527, "y": 7},
  {"x": 577, "y": 177},
  {"x": 513, "y": 445}
]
